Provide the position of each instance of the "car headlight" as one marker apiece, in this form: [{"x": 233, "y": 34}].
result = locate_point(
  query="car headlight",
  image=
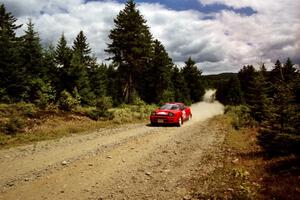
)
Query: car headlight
[{"x": 171, "y": 114}]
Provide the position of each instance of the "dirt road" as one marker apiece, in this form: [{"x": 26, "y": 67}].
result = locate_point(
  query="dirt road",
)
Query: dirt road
[{"x": 130, "y": 162}]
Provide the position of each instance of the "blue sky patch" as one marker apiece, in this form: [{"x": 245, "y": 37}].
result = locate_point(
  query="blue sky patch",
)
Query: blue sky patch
[{"x": 180, "y": 5}]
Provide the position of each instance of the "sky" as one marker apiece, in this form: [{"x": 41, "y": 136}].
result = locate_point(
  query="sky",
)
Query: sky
[{"x": 220, "y": 35}]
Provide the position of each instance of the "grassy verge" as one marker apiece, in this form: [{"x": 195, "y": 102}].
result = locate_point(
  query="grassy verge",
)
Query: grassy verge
[
  {"x": 244, "y": 171},
  {"x": 25, "y": 124}
]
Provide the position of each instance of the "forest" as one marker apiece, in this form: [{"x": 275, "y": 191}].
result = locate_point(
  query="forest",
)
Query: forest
[
  {"x": 140, "y": 70},
  {"x": 140, "y": 67}
]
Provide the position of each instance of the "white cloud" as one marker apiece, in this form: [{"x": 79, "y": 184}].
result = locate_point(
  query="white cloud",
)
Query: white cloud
[{"x": 224, "y": 42}]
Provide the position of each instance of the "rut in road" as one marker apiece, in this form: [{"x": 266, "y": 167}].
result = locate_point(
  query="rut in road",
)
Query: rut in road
[{"x": 133, "y": 162}]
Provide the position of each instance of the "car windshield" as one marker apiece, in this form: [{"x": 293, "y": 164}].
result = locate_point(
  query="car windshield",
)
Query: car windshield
[{"x": 169, "y": 106}]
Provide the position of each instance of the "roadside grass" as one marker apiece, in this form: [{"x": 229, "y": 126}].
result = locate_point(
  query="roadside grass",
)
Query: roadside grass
[
  {"x": 269, "y": 177},
  {"x": 261, "y": 176},
  {"x": 26, "y": 124},
  {"x": 245, "y": 171},
  {"x": 234, "y": 175}
]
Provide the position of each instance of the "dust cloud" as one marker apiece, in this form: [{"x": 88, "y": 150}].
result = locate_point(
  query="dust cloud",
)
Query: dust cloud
[{"x": 207, "y": 108}]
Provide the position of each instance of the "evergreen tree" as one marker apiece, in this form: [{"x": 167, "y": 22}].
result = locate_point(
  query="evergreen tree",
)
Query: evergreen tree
[
  {"x": 258, "y": 99},
  {"x": 289, "y": 71},
  {"x": 181, "y": 91},
  {"x": 48, "y": 93},
  {"x": 276, "y": 73},
  {"x": 82, "y": 49},
  {"x": 192, "y": 76},
  {"x": 98, "y": 79},
  {"x": 280, "y": 132},
  {"x": 78, "y": 72},
  {"x": 114, "y": 84},
  {"x": 63, "y": 56},
  {"x": 32, "y": 55},
  {"x": 32, "y": 61},
  {"x": 12, "y": 74},
  {"x": 156, "y": 79},
  {"x": 229, "y": 92},
  {"x": 63, "y": 53},
  {"x": 246, "y": 76},
  {"x": 130, "y": 47}
]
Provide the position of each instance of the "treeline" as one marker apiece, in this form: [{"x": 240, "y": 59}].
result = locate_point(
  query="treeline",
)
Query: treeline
[
  {"x": 140, "y": 68},
  {"x": 272, "y": 99}
]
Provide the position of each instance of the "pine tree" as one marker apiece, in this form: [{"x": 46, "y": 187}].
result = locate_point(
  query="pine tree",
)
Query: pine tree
[
  {"x": 32, "y": 61},
  {"x": 276, "y": 72},
  {"x": 280, "y": 132},
  {"x": 246, "y": 76},
  {"x": 32, "y": 55},
  {"x": 98, "y": 79},
  {"x": 82, "y": 49},
  {"x": 156, "y": 78},
  {"x": 181, "y": 91},
  {"x": 63, "y": 56},
  {"x": 229, "y": 92},
  {"x": 258, "y": 100},
  {"x": 63, "y": 53},
  {"x": 130, "y": 47},
  {"x": 234, "y": 93},
  {"x": 114, "y": 84},
  {"x": 289, "y": 71},
  {"x": 12, "y": 74},
  {"x": 192, "y": 76},
  {"x": 78, "y": 73}
]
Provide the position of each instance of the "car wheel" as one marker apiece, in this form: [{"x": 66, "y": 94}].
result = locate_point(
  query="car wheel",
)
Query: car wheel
[{"x": 180, "y": 122}]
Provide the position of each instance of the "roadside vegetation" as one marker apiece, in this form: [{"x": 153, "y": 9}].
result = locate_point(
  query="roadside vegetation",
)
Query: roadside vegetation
[
  {"x": 258, "y": 173},
  {"x": 242, "y": 169},
  {"x": 24, "y": 123},
  {"x": 261, "y": 152}
]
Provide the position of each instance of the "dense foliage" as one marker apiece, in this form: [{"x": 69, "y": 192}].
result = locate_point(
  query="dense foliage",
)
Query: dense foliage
[
  {"x": 69, "y": 76},
  {"x": 272, "y": 98}
]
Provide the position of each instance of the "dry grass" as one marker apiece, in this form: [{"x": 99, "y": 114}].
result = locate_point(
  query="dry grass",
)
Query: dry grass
[
  {"x": 51, "y": 127},
  {"x": 53, "y": 124},
  {"x": 267, "y": 177},
  {"x": 243, "y": 170}
]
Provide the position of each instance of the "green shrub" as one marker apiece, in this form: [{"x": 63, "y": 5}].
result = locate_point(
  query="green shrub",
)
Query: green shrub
[
  {"x": 67, "y": 102},
  {"x": 138, "y": 101},
  {"x": 240, "y": 116},
  {"x": 130, "y": 113},
  {"x": 25, "y": 109},
  {"x": 45, "y": 95},
  {"x": 14, "y": 125},
  {"x": 103, "y": 105},
  {"x": 123, "y": 115}
]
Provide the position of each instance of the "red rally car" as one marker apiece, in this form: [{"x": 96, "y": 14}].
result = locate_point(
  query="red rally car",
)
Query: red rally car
[{"x": 171, "y": 113}]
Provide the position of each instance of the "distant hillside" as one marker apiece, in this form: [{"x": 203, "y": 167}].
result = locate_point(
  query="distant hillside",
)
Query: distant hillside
[{"x": 213, "y": 80}]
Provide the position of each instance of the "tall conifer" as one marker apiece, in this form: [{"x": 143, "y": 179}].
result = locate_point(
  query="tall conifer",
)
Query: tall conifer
[
  {"x": 12, "y": 73},
  {"x": 192, "y": 76},
  {"x": 130, "y": 47}
]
